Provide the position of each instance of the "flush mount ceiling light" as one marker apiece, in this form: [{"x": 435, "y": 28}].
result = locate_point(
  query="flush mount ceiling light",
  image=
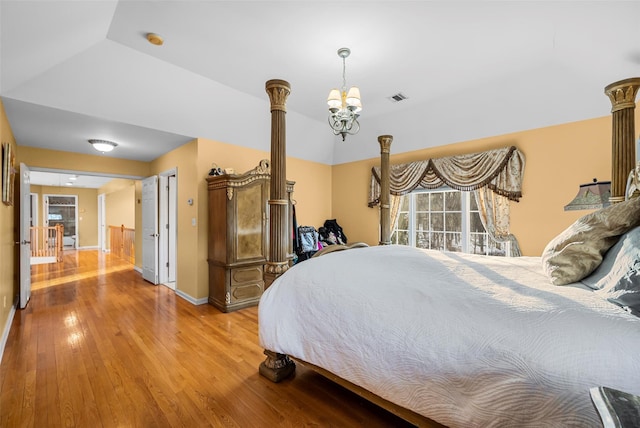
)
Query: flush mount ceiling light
[
  {"x": 103, "y": 145},
  {"x": 344, "y": 106},
  {"x": 155, "y": 39}
]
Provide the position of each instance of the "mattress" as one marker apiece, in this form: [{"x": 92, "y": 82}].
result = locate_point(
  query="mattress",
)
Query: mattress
[{"x": 465, "y": 340}]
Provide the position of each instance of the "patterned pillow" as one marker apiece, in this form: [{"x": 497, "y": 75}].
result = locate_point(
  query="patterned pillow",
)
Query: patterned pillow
[
  {"x": 618, "y": 263},
  {"x": 617, "y": 279},
  {"x": 578, "y": 250}
]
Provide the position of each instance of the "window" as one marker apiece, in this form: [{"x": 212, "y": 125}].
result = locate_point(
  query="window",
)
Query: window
[
  {"x": 62, "y": 209},
  {"x": 444, "y": 220}
]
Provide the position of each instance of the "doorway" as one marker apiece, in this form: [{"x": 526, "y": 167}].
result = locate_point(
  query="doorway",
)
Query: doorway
[{"x": 63, "y": 210}]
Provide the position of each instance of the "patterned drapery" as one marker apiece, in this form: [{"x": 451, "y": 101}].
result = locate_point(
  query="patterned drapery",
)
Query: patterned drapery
[
  {"x": 494, "y": 214},
  {"x": 500, "y": 170},
  {"x": 495, "y": 175}
]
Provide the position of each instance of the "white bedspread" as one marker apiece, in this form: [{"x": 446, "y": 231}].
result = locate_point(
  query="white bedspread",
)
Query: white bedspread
[{"x": 468, "y": 341}]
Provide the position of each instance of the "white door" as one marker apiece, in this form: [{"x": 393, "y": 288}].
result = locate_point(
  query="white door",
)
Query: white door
[
  {"x": 167, "y": 228},
  {"x": 150, "y": 229},
  {"x": 25, "y": 236}
]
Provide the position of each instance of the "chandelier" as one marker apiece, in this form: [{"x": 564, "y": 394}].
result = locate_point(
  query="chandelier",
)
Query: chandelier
[{"x": 344, "y": 106}]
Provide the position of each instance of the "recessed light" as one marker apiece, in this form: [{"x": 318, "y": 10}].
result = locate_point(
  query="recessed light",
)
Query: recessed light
[{"x": 155, "y": 39}]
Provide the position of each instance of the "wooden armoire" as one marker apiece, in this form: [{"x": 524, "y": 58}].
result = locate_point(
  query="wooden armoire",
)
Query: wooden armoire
[{"x": 239, "y": 236}]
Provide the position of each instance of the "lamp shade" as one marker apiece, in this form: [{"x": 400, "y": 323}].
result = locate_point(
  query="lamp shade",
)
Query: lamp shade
[
  {"x": 335, "y": 99},
  {"x": 353, "y": 96},
  {"x": 591, "y": 196}
]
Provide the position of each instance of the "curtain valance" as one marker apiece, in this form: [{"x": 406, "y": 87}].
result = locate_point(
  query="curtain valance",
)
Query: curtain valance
[{"x": 500, "y": 170}]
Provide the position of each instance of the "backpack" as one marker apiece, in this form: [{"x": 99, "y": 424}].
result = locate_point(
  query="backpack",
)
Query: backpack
[
  {"x": 333, "y": 226},
  {"x": 307, "y": 242}
]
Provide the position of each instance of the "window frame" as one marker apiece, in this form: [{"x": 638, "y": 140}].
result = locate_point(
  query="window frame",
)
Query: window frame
[{"x": 499, "y": 248}]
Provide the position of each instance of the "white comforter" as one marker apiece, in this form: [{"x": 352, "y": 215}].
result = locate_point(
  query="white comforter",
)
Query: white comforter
[{"x": 468, "y": 341}]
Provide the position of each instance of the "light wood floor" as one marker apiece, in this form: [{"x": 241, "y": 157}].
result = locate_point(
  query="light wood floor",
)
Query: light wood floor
[{"x": 97, "y": 346}]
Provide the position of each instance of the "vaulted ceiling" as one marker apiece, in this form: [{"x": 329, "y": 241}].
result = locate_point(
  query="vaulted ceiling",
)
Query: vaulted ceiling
[{"x": 75, "y": 70}]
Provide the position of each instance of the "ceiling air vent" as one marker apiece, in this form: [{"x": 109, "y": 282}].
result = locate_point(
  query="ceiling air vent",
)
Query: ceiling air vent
[{"x": 398, "y": 97}]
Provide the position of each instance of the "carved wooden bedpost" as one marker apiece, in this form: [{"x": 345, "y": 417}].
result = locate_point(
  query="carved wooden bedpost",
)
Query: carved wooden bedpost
[
  {"x": 279, "y": 234},
  {"x": 385, "y": 210},
  {"x": 622, "y": 95},
  {"x": 277, "y": 367}
]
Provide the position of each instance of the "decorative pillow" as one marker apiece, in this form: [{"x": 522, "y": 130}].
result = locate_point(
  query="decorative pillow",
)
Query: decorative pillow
[
  {"x": 617, "y": 279},
  {"x": 578, "y": 250},
  {"x": 619, "y": 262}
]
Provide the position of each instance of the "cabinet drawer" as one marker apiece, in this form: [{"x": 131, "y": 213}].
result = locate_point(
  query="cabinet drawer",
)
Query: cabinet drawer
[
  {"x": 246, "y": 274},
  {"x": 247, "y": 291}
]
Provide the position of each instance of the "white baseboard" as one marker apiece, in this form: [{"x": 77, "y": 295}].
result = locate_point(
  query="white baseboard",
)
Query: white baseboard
[
  {"x": 137, "y": 269},
  {"x": 193, "y": 301},
  {"x": 7, "y": 329}
]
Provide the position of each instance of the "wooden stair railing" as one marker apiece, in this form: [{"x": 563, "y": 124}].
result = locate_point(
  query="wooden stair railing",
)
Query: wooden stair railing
[
  {"x": 47, "y": 241},
  {"x": 122, "y": 242}
]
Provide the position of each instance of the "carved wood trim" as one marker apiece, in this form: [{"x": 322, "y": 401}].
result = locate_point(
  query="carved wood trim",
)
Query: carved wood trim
[
  {"x": 622, "y": 95},
  {"x": 385, "y": 211}
]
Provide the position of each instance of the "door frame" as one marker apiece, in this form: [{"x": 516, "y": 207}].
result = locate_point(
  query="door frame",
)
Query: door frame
[
  {"x": 102, "y": 227},
  {"x": 167, "y": 200}
]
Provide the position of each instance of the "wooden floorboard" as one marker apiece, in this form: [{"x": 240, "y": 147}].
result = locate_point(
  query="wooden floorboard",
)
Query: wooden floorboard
[{"x": 98, "y": 346}]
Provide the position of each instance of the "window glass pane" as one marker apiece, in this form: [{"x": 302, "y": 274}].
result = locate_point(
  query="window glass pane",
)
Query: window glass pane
[
  {"x": 453, "y": 201},
  {"x": 437, "y": 241},
  {"x": 437, "y": 222},
  {"x": 403, "y": 237},
  {"x": 454, "y": 241},
  {"x": 453, "y": 222},
  {"x": 403, "y": 221},
  {"x": 475, "y": 223},
  {"x": 477, "y": 243},
  {"x": 473, "y": 206},
  {"x": 404, "y": 203},
  {"x": 422, "y": 221},
  {"x": 422, "y": 202},
  {"x": 422, "y": 239},
  {"x": 437, "y": 203}
]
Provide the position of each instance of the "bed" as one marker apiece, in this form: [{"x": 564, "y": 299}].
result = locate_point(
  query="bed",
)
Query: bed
[{"x": 464, "y": 340}]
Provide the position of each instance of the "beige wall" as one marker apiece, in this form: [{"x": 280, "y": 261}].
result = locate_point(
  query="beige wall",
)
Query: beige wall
[
  {"x": 42, "y": 158},
  {"x": 87, "y": 211},
  {"x": 8, "y": 235},
  {"x": 120, "y": 209},
  {"x": 120, "y": 206},
  {"x": 193, "y": 162},
  {"x": 558, "y": 160}
]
